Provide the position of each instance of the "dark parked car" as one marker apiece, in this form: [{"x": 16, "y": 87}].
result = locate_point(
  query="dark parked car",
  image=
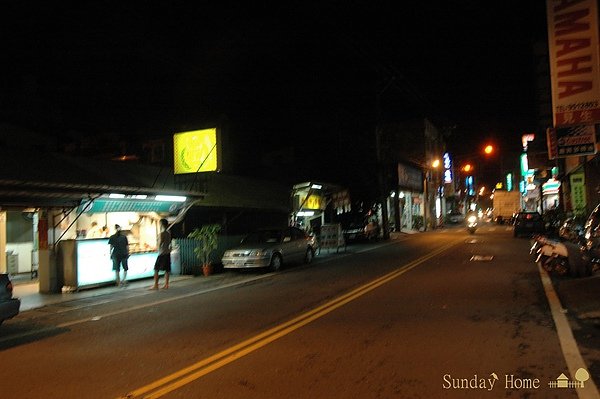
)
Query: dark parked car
[
  {"x": 361, "y": 231},
  {"x": 528, "y": 223},
  {"x": 9, "y": 306},
  {"x": 456, "y": 217},
  {"x": 271, "y": 248}
]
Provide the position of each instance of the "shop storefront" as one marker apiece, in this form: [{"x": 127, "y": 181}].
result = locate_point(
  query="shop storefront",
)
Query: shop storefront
[
  {"x": 410, "y": 206},
  {"x": 310, "y": 202},
  {"x": 551, "y": 194},
  {"x": 83, "y": 252},
  {"x": 61, "y": 242}
]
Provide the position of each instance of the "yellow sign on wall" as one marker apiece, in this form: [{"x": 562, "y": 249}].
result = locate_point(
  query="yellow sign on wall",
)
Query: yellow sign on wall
[
  {"x": 313, "y": 202},
  {"x": 195, "y": 151}
]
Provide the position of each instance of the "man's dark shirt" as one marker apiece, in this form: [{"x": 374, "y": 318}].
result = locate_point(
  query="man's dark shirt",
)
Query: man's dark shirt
[{"x": 119, "y": 244}]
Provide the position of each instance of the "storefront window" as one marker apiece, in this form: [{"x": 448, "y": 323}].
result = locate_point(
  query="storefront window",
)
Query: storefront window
[{"x": 140, "y": 228}]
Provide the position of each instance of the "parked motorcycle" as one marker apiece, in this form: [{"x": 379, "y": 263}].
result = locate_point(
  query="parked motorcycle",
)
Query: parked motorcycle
[
  {"x": 472, "y": 223},
  {"x": 591, "y": 238},
  {"x": 579, "y": 252},
  {"x": 570, "y": 230},
  {"x": 551, "y": 255}
]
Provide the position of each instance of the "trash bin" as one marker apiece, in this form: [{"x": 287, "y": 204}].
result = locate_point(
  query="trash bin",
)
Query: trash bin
[{"x": 175, "y": 261}]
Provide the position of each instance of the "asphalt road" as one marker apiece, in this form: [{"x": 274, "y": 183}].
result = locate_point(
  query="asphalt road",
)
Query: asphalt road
[{"x": 412, "y": 318}]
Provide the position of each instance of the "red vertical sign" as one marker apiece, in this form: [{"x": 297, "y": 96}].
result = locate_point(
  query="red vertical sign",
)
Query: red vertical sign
[
  {"x": 574, "y": 61},
  {"x": 43, "y": 231}
]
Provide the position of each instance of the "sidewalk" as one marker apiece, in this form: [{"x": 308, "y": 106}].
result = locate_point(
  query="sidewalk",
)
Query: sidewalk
[
  {"x": 31, "y": 298},
  {"x": 580, "y": 296}
]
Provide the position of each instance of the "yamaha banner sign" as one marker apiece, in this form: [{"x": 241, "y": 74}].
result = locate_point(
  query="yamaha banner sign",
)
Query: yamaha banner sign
[{"x": 574, "y": 61}]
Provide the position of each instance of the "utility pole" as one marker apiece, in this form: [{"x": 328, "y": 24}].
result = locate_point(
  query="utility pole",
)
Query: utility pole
[{"x": 381, "y": 164}]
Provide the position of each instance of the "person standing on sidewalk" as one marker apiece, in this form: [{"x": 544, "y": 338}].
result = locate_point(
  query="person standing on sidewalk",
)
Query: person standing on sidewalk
[
  {"x": 163, "y": 262},
  {"x": 119, "y": 252}
]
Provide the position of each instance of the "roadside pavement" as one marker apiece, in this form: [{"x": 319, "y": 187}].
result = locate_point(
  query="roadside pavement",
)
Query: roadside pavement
[
  {"x": 580, "y": 299},
  {"x": 31, "y": 298}
]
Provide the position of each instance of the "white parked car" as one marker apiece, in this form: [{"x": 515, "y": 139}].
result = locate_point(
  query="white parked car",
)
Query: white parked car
[{"x": 271, "y": 248}]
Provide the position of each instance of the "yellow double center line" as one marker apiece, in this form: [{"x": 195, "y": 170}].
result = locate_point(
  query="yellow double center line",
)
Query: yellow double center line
[{"x": 191, "y": 373}]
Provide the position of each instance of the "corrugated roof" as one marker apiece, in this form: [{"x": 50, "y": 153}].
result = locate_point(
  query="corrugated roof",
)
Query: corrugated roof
[
  {"x": 39, "y": 178},
  {"x": 45, "y": 179}
]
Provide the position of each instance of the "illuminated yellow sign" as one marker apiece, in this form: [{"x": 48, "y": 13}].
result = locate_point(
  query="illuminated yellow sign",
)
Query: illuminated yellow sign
[
  {"x": 195, "y": 151},
  {"x": 313, "y": 202}
]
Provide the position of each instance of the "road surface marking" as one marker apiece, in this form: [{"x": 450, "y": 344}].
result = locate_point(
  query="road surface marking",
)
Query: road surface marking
[
  {"x": 191, "y": 373},
  {"x": 565, "y": 336}
]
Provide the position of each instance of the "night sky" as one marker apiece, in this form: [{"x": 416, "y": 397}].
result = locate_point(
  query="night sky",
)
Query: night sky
[{"x": 296, "y": 79}]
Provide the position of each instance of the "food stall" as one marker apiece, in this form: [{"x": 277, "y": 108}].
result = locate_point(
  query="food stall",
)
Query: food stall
[{"x": 84, "y": 253}]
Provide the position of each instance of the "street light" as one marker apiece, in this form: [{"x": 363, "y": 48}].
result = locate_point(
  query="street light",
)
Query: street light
[
  {"x": 436, "y": 164},
  {"x": 472, "y": 164}
]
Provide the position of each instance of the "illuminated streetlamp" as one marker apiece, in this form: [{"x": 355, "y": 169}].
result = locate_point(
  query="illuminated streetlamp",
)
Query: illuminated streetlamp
[
  {"x": 488, "y": 149},
  {"x": 436, "y": 165}
]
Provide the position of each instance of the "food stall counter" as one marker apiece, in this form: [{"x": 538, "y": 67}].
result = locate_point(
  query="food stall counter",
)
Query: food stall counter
[{"x": 87, "y": 263}]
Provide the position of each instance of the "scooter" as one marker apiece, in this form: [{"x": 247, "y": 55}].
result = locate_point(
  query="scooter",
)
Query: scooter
[
  {"x": 472, "y": 224},
  {"x": 578, "y": 257},
  {"x": 551, "y": 255},
  {"x": 591, "y": 239}
]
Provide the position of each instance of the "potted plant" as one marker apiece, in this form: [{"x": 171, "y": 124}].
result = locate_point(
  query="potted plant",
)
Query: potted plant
[{"x": 207, "y": 237}]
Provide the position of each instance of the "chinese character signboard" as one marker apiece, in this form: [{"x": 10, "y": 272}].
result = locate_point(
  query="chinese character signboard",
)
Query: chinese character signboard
[
  {"x": 314, "y": 201},
  {"x": 331, "y": 237},
  {"x": 551, "y": 143},
  {"x": 447, "y": 168},
  {"x": 574, "y": 69},
  {"x": 571, "y": 141},
  {"x": 578, "y": 199}
]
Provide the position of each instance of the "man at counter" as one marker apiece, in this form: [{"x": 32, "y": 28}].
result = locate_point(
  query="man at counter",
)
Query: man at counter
[
  {"x": 119, "y": 252},
  {"x": 94, "y": 231}
]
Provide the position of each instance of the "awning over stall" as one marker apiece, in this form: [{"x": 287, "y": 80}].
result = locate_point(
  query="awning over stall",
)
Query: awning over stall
[
  {"x": 99, "y": 205},
  {"x": 47, "y": 180}
]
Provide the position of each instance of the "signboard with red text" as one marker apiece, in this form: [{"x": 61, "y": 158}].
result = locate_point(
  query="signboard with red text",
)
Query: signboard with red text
[{"x": 574, "y": 61}]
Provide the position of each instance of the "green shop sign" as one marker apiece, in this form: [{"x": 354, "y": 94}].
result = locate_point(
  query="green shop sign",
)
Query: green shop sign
[
  {"x": 578, "y": 197},
  {"x": 104, "y": 205}
]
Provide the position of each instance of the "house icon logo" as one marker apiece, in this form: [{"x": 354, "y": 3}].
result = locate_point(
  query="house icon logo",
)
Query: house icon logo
[{"x": 562, "y": 381}]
